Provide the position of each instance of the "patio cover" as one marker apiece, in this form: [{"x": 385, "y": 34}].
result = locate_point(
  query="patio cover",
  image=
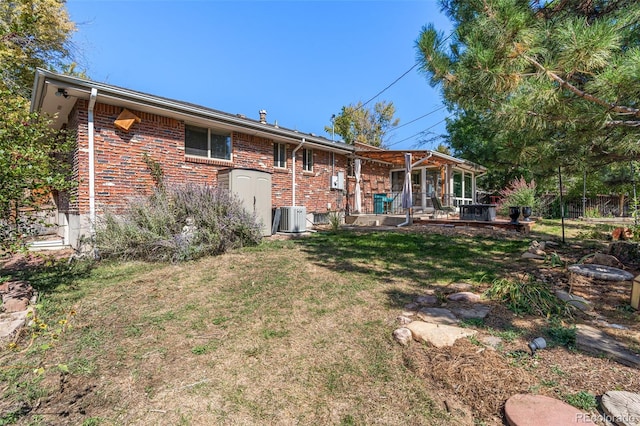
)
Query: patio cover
[{"x": 423, "y": 157}]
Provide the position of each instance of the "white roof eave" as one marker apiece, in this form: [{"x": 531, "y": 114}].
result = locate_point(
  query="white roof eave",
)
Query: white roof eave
[{"x": 175, "y": 109}]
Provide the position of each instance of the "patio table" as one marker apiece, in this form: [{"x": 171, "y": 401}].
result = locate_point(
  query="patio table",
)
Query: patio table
[{"x": 480, "y": 212}]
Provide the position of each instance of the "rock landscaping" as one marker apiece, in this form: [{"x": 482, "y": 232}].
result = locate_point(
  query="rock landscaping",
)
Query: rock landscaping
[
  {"x": 540, "y": 410},
  {"x": 437, "y": 325},
  {"x": 455, "y": 352},
  {"x": 17, "y": 296},
  {"x": 477, "y": 359},
  {"x": 621, "y": 408}
]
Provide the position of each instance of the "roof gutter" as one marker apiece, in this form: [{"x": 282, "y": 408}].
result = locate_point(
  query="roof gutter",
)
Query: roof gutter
[{"x": 184, "y": 109}]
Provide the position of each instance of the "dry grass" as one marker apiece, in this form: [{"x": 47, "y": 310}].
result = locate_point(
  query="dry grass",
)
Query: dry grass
[
  {"x": 290, "y": 332},
  {"x": 254, "y": 337}
]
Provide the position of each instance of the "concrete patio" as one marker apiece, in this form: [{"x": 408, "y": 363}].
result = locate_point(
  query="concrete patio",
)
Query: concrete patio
[{"x": 428, "y": 219}]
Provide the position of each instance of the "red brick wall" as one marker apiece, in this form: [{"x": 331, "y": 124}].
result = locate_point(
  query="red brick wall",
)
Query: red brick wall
[
  {"x": 121, "y": 171},
  {"x": 313, "y": 188},
  {"x": 374, "y": 178},
  {"x": 71, "y": 200}
]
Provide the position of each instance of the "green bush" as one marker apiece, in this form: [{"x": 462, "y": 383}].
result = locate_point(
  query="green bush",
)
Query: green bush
[
  {"x": 560, "y": 334},
  {"x": 582, "y": 400},
  {"x": 177, "y": 223},
  {"x": 526, "y": 297}
]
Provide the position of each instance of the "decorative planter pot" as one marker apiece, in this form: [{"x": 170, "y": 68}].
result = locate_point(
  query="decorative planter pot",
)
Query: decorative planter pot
[
  {"x": 526, "y": 213},
  {"x": 514, "y": 214}
]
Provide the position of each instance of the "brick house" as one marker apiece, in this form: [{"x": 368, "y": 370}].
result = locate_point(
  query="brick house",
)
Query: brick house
[{"x": 120, "y": 132}]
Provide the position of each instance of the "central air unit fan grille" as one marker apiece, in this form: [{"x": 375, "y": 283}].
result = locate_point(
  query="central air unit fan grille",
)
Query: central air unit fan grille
[{"x": 293, "y": 219}]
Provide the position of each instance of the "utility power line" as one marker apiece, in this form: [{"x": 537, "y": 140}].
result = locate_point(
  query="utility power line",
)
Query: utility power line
[
  {"x": 420, "y": 118},
  {"x": 420, "y": 132},
  {"x": 386, "y": 88},
  {"x": 416, "y": 119},
  {"x": 405, "y": 73}
]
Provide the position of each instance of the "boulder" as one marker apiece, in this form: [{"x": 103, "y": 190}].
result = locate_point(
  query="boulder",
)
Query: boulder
[
  {"x": 16, "y": 295},
  {"x": 604, "y": 259},
  {"x": 10, "y": 322},
  {"x": 537, "y": 250},
  {"x": 474, "y": 312},
  {"x": 413, "y": 306},
  {"x": 575, "y": 301},
  {"x": 540, "y": 410},
  {"x": 402, "y": 335},
  {"x": 11, "y": 304},
  {"x": 427, "y": 300},
  {"x": 529, "y": 255},
  {"x": 625, "y": 251},
  {"x": 457, "y": 287},
  {"x": 621, "y": 234},
  {"x": 437, "y": 315},
  {"x": 402, "y": 320},
  {"x": 464, "y": 296},
  {"x": 622, "y": 408},
  {"x": 438, "y": 335}
]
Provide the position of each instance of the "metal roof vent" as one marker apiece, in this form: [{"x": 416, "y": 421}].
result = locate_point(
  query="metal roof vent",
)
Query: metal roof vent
[{"x": 263, "y": 116}]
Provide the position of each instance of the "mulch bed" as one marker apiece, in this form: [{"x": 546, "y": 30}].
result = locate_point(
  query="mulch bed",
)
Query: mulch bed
[{"x": 473, "y": 381}]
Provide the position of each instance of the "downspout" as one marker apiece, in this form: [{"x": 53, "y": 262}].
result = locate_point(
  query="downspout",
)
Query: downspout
[
  {"x": 293, "y": 165},
  {"x": 92, "y": 171}
]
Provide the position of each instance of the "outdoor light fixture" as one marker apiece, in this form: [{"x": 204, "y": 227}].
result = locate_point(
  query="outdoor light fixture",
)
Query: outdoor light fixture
[
  {"x": 62, "y": 92},
  {"x": 537, "y": 343}
]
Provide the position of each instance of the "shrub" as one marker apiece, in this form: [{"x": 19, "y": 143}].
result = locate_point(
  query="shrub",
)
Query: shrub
[
  {"x": 33, "y": 165},
  {"x": 582, "y": 400},
  {"x": 518, "y": 193},
  {"x": 177, "y": 223},
  {"x": 561, "y": 335},
  {"x": 527, "y": 297},
  {"x": 335, "y": 220}
]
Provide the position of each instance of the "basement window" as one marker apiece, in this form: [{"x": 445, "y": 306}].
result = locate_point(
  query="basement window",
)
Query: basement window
[{"x": 208, "y": 143}]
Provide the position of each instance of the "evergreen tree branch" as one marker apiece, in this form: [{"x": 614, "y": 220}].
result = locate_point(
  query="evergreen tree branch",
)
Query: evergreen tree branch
[{"x": 620, "y": 109}]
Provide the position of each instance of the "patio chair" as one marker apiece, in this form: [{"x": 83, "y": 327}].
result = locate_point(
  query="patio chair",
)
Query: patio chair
[
  {"x": 439, "y": 208},
  {"x": 382, "y": 204}
]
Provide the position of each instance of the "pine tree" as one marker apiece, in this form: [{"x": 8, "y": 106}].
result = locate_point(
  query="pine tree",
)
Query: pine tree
[{"x": 547, "y": 82}]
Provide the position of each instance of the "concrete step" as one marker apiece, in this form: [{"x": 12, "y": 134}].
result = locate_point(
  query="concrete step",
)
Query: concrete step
[{"x": 53, "y": 244}]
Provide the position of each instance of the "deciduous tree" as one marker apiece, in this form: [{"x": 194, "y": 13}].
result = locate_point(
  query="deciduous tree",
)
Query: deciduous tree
[
  {"x": 32, "y": 164},
  {"x": 33, "y": 33},
  {"x": 355, "y": 123}
]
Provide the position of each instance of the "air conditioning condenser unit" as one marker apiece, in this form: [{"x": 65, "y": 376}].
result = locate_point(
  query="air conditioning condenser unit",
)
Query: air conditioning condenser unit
[{"x": 293, "y": 219}]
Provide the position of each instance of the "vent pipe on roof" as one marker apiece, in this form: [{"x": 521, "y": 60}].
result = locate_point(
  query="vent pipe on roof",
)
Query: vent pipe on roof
[{"x": 263, "y": 116}]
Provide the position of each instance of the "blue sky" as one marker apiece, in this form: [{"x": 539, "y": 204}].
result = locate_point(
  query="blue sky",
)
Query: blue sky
[{"x": 299, "y": 60}]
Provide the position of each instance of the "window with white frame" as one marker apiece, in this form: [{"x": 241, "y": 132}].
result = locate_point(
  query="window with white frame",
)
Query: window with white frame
[
  {"x": 209, "y": 143},
  {"x": 279, "y": 155},
  {"x": 307, "y": 160}
]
